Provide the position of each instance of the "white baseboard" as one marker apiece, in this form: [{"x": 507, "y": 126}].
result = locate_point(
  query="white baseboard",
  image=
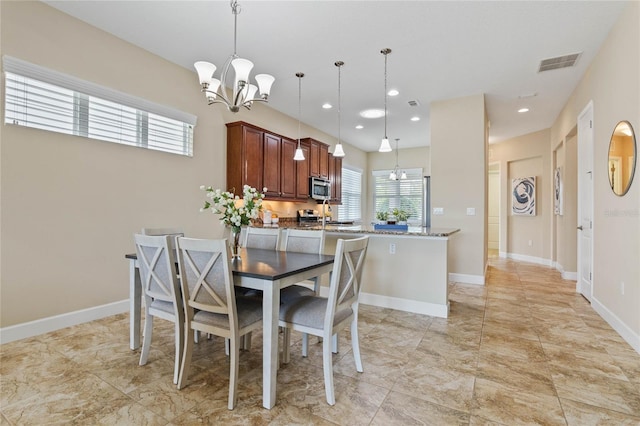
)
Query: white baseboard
[
  {"x": 623, "y": 330},
  {"x": 425, "y": 308},
  {"x": 566, "y": 275},
  {"x": 530, "y": 259},
  {"x": 57, "y": 322},
  {"x": 466, "y": 278}
]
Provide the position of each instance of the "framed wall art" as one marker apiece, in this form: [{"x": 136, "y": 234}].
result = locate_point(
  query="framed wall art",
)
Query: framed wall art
[{"x": 523, "y": 196}]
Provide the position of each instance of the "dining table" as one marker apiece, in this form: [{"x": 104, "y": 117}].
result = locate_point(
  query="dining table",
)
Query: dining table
[{"x": 265, "y": 270}]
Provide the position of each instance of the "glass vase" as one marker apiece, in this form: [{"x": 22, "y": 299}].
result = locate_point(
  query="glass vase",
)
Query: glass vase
[{"x": 234, "y": 243}]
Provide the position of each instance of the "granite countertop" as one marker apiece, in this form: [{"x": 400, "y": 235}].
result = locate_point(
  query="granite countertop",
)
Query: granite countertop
[{"x": 417, "y": 231}]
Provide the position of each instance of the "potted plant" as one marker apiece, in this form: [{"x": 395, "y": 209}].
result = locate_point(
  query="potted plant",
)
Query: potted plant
[
  {"x": 401, "y": 216},
  {"x": 382, "y": 217}
]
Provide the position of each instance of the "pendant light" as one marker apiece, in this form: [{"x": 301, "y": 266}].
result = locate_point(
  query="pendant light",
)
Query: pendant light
[
  {"x": 338, "y": 152},
  {"x": 244, "y": 93},
  {"x": 299, "y": 155},
  {"x": 384, "y": 145},
  {"x": 394, "y": 173}
]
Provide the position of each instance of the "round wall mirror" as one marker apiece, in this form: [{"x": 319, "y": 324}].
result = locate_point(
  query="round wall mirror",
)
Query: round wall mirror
[{"x": 622, "y": 158}]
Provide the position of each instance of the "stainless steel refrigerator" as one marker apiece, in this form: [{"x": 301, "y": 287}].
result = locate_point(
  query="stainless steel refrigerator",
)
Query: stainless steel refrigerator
[{"x": 426, "y": 212}]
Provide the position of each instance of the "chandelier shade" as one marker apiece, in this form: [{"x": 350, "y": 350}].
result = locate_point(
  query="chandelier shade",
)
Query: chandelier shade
[
  {"x": 243, "y": 94},
  {"x": 394, "y": 173},
  {"x": 384, "y": 145}
]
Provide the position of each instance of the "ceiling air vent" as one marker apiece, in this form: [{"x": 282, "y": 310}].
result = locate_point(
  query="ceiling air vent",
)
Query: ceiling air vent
[
  {"x": 414, "y": 103},
  {"x": 559, "y": 62}
]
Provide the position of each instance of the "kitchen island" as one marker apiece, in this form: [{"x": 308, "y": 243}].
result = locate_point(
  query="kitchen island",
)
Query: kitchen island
[{"x": 404, "y": 270}]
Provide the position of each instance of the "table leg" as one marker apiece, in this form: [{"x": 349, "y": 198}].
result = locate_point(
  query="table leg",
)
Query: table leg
[
  {"x": 270, "y": 312},
  {"x": 135, "y": 303}
]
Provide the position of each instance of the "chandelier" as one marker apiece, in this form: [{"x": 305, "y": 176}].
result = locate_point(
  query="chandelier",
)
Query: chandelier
[
  {"x": 299, "y": 155},
  {"x": 384, "y": 145},
  {"x": 339, "y": 152},
  {"x": 394, "y": 173},
  {"x": 244, "y": 93}
]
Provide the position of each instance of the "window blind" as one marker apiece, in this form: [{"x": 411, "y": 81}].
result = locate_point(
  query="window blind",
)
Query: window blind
[
  {"x": 405, "y": 194},
  {"x": 350, "y": 209},
  {"x": 45, "y": 99}
]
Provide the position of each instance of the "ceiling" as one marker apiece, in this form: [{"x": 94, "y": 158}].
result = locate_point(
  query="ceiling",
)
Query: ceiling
[{"x": 440, "y": 50}]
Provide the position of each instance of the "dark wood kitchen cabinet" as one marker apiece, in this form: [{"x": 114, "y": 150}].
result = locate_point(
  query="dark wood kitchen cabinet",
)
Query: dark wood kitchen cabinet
[
  {"x": 318, "y": 158},
  {"x": 260, "y": 158}
]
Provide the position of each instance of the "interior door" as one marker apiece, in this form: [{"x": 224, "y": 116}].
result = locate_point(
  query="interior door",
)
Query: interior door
[{"x": 585, "y": 202}]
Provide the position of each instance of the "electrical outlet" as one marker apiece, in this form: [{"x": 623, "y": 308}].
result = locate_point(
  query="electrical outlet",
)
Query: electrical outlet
[
  {"x": 471, "y": 211},
  {"x": 392, "y": 248},
  {"x": 438, "y": 211},
  {"x": 530, "y": 243}
]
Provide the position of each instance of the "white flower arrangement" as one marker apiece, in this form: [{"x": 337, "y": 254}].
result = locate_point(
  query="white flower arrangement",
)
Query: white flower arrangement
[{"x": 235, "y": 211}]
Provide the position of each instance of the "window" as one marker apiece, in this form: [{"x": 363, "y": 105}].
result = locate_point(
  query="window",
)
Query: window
[
  {"x": 405, "y": 194},
  {"x": 44, "y": 99},
  {"x": 350, "y": 209}
]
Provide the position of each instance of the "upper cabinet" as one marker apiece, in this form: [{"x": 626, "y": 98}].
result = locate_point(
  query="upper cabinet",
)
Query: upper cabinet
[
  {"x": 260, "y": 158},
  {"x": 318, "y": 158}
]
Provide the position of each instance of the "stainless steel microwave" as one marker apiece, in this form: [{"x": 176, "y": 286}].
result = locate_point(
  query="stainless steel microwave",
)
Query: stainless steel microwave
[{"x": 319, "y": 189}]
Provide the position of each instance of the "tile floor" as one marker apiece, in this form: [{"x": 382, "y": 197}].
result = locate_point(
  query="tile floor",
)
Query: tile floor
[{"x": 524, "y": 349}]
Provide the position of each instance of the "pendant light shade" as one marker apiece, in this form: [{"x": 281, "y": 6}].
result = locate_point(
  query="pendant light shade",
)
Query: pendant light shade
[
  {"x": 394, "y": 173},
  {"x": 299, "y": 155},
  {"x": 338, "y": 151},
  {"x": 384, "y": 145}
]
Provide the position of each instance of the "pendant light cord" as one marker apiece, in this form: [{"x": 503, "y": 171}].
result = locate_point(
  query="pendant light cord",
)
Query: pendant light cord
[
  {"x": 235, "y": 9},
  {"x": 299, "y": 75},
  {"x": 385, "y": 52}
]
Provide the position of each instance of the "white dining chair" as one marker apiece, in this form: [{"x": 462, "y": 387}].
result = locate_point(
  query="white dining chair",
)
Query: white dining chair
[
  {"x": 303, "y": 241},
  {"x": 210, "y": 303},
  {"x": 162, "y": 297},
  {"x": 324, "y": 317},
  {"x": 262, "y": 238}
]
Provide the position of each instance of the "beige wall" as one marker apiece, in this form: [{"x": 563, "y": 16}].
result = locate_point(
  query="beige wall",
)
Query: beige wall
[
  {"x": 70, "y": 205},
  {"x": 527, "y": 155},
  {"x": 612, "y": 83},
  {"x": 408, "y": 158},
  {"x": 458, "y": 180}
]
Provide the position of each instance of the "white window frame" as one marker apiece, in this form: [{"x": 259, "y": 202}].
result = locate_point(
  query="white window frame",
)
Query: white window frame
[
  {"x": 145, "y": 124},
  {"x": 412, "y": 188},
  {"x": 351, "y": 206}
]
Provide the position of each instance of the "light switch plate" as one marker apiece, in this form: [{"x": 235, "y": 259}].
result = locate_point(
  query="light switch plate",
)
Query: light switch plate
[
  {"x": 438, "y": 211},
  {"x": 471, "y": 211}
]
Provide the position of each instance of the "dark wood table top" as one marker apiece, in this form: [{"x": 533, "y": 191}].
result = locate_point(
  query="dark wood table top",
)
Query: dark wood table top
[{"x": 270, "y": 264}]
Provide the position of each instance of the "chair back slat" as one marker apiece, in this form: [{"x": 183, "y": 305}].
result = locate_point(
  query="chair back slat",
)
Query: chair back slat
[
  {"x": 345, "y": 285},
  {"x": 304, "y": 241},
  {"x": 207, "y": 282},
  {"x": 157, "y": 267},
  {"x": 262, "y": 238}
]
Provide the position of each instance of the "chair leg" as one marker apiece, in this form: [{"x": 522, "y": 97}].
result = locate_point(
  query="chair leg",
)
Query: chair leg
[
  {"x": 334, "y": 343},
  {"x": 286, "y": 342},
  {"x": 179, "y": 330},
  {"x": 226, "y": 347},
  {"x": 146, "y": 339},
  {"x": 305, "y": 345},
  {"x": 186, "y": 359},
  {"x": 196, "y": 336},
  {"x": 356, "y": 344},
  {"x": 327, "y": 367},
  {"x": 246, "y": 342},
  {"x": 233, "y": 373}
]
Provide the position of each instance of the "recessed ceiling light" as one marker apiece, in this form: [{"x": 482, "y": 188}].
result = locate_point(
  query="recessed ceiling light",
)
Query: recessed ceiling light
[
  {"x": 359, "y": 126},
  {"x": 415, "y": 118},
  {"x": 372, "y": 113},
  {"x": 327, "y": 105},
  {"x": 393, "y": 92},
  {"x": 523, "y": 110}
]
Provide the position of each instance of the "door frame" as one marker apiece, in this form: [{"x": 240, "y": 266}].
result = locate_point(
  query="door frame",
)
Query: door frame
[{"x": 583, "y": 117}]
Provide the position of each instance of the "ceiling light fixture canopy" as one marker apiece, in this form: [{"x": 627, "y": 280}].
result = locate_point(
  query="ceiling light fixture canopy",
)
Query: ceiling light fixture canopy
[
  {"x": 339, "y": 152},
  {"x": 384, "y": 145},
  {"x": 394, "y": 173},
  {"x": 299, "y": 155},
  {"x": 244, "y": 93}
]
